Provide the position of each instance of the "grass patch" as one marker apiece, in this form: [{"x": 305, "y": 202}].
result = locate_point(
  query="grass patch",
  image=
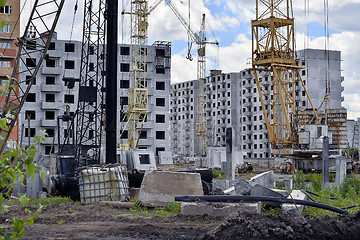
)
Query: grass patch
[
  {"x": 34, "y": 202},
  {"x": 248, "y": 175},
  {"x": 62, "y": 222},
  {"x": 171, "y": 209}
]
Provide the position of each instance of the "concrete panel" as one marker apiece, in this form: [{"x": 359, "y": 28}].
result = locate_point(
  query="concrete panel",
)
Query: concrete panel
[
  {"x": 160, "y": 188},
  {"x": 165, "y": 158},
  {"x": 292, "y": 209},
  {"x": 222, "y": 184},
  {"x": 260, "y": 191},
  {"x": 243, "y": 186},
  {"x": 218, "y": 209},
  {"x": 340, "y": 170},
  {"x": 34, "y": 187},
  {"x": 266, "y": 179}
]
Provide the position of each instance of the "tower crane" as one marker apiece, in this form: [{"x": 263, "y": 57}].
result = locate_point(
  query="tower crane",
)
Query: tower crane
[
  {"x": 201, "y": 41},
  {"x": 274, "y": 65},
  {"x": 43, "y": 18},
  {"x": 137, "y": 110}
]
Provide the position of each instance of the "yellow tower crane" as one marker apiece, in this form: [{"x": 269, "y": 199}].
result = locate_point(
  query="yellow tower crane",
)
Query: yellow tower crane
[
  {"x": 201, "y": 41},
  {"x": 276, "y": 72},
  {"x": 135, "y": 116}
]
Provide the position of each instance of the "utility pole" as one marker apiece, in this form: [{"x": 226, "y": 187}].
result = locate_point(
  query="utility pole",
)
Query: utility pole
[{"x": 111, "y": 79}]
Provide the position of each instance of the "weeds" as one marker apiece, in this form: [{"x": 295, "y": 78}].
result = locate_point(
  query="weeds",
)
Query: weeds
[
  {"x": 218, "y": 174},
  {"x": 171, "y": 209},
  {"x": 248, "y": 175}
]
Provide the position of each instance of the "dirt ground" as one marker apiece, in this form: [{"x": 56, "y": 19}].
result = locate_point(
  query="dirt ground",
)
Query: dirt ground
[{"x": 76, "y": 221}]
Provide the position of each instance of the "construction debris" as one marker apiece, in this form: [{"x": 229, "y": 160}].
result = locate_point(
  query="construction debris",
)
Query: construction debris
[
  {"x": 260, "y": 191},
  {"x": 160, "y": 188},
  {"x": 266, "y": 179},
  {"x": 218, "y": 209},
  {"x": 294, "y": 209},
  {"x": 118, "y": 204}
]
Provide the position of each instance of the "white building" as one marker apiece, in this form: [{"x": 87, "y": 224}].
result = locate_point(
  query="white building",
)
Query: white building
[
  {"x": 232, "y": 100},
  {"x": 50, "y": 98}
]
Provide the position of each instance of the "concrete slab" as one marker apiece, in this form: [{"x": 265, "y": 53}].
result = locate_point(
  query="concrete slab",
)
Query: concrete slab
[
  {"x": 218, "y": 209},
  {"x": 165, "y": 157},
  {"x": 266, "y": 179},
  {"x": 295, "y": 210},
  {"x": 243, "y": 186},
  {"x": 260, "y": 191},
  {"x": 340, "y": 170},
  {"x": 160, "y": 188},
  {"x": 282, "y": 192},
  {"x": 230, "y": 191},
  {"x": 34, "y": 187},
  {"x": 288, "y": 184},
  {"x": 222, "y": 184}
]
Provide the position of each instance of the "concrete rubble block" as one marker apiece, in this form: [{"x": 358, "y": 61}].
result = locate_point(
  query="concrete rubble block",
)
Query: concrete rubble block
[
  {"x": 282, "y": 192},
  {"x": 266, "y": 179},
  {"x": 34, "y": 186},
  {"x": 217, "y": 209},
  {"x": 288, "y": 184},
  {"x": 260, "y": 191},
  {"x": 230, "y": 191},
  {"x": 292, "y": 209},
  {"x": 243, "y": 186},
  {"x": 222, "y": 184},
  {"x": 160, "y": 188},
  {"x": 165, "y": 157}
]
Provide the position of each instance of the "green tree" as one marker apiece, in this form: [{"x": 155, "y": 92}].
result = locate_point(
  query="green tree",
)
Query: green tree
[{"x": 15, "y": 164}]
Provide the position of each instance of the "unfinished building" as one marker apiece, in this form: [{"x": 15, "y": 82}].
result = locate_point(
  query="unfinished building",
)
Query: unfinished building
[
  {"x": 51, "y": 97},
  {"x": 232, "y": 100}
]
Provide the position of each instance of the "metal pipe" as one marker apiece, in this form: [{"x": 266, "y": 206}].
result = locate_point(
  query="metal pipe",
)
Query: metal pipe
[
  {"x": 111, "y": 79},
  {"x": 259, "y": 199}
]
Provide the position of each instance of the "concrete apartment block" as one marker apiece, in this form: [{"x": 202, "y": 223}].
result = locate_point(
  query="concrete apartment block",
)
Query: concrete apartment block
[
  {"x": 49, "y": 98},
  {"x": 353, "y": 133},
  {"x": 315, "y": 74},
  {"x": 232, "y": 100}
]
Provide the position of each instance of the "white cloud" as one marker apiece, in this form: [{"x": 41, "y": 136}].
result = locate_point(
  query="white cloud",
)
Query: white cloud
[{"x": 225, "y": 20}]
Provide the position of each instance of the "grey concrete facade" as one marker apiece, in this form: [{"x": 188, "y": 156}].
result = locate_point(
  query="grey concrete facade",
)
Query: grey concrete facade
[
  {"x": 232, "y": 100},
  {"x": 50, "y": 98},
  {"x": 353, "y": 133}
]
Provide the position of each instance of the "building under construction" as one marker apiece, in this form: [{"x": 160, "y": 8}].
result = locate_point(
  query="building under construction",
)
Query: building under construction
[
  {"x": 50, "y": 97},
  {"x": 232, "y": 100}
]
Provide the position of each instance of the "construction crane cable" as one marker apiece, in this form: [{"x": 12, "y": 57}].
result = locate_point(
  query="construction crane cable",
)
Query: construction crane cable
[{"x": 71, "y": 30}]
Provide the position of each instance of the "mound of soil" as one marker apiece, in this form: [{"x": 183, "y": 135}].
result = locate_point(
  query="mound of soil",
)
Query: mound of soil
[{"x": 257, "y": 226}]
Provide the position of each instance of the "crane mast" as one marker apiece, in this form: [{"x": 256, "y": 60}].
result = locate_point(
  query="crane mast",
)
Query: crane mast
[
  {"x": 276, "y": 72},
  {"x": 137, "y": 94},
  {"x": 43, "y": 19},
  {"x": 89, "y": 115},
  {"x": 201, "y": 41},
  {"x": 201, "y": 68}
]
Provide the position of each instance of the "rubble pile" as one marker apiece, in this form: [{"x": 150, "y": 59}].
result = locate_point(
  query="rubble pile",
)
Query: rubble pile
[{"x": 256, "y": 226}]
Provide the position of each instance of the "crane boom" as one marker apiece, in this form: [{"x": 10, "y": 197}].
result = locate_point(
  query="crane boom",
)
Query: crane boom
[{"x": 43, "y": 19}]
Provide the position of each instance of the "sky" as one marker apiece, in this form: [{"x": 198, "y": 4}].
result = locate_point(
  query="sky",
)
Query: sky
[{"x": 229, "y": 22}]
